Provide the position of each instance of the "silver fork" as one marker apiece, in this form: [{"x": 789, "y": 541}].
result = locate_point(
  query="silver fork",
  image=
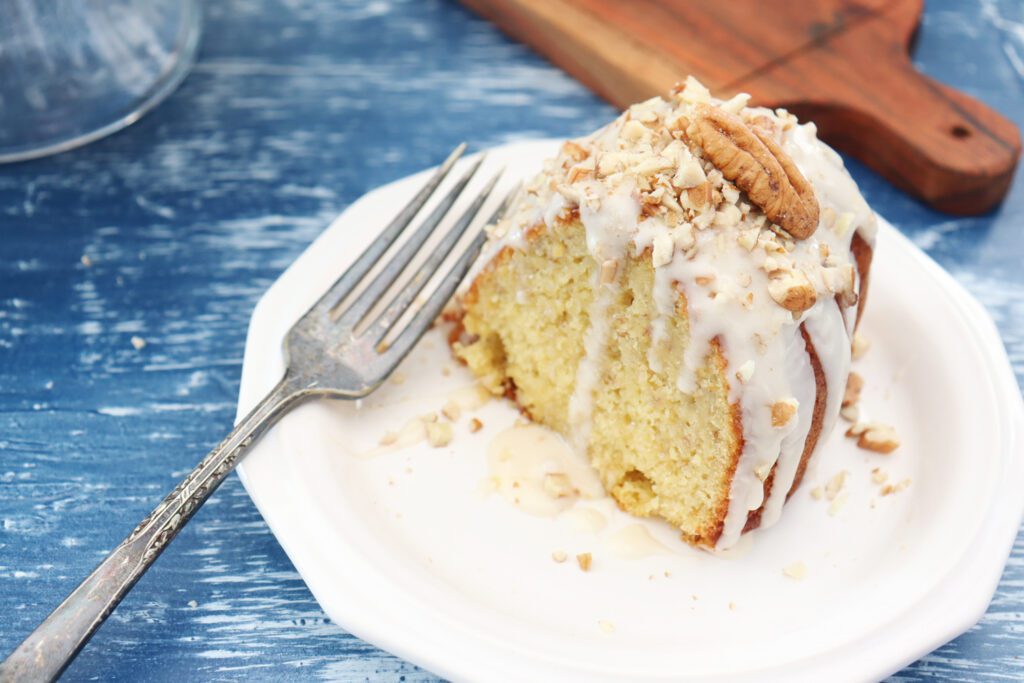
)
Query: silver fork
[{"x": 330, "y": 352}]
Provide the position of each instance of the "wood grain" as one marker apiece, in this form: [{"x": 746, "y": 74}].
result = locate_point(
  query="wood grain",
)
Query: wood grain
[{"x": 842, "y": 63}]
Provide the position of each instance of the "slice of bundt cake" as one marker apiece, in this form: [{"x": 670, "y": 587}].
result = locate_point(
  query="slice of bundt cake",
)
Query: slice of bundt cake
[{"x": 677, "y": 294}]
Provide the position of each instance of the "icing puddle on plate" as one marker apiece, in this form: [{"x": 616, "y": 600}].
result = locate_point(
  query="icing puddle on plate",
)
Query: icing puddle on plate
[{"x": 535, "y": 469}]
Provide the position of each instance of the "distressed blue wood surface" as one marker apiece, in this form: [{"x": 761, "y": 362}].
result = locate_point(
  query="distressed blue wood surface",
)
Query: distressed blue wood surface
[{"x": 293, "y": 111}]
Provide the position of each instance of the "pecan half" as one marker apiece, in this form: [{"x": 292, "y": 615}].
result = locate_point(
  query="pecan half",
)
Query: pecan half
[{"x": 759, "y": 167}]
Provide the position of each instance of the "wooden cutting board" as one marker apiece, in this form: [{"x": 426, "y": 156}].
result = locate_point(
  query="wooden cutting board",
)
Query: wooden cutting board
[{"x": 843, "y": 64}]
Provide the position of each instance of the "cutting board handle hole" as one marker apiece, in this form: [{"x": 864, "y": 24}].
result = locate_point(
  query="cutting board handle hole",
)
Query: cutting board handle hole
[{"x": 960, "y": 131}]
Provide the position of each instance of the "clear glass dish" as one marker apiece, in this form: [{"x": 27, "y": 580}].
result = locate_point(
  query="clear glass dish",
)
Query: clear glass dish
[{"x": 73, "y": 71}]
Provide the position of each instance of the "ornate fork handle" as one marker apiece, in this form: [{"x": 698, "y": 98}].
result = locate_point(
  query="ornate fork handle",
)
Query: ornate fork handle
[{"x": 44, "y": 654}]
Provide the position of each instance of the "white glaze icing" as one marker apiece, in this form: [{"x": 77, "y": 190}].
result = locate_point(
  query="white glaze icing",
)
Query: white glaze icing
[
  {"x": 588, "y": 374},
  {"x": 634, "y": 542},
  {"x": 723, "y": 257},
  {"x": 583, "y": 518},
  {"x": 535, "y": 470}
]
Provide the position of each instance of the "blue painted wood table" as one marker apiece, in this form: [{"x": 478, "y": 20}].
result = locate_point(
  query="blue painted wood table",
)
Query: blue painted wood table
[{"x": 169, "y": 232}]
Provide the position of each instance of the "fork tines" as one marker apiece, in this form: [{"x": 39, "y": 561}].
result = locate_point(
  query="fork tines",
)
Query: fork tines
[{"x": 353, "y": 316}]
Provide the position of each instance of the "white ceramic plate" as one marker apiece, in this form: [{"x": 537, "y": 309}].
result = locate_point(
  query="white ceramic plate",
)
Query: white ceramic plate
[{"x": 404, "y": 549}]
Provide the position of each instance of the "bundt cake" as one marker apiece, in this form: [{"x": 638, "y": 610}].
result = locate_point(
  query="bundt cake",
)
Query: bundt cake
[{"x": 677, "y": 294}]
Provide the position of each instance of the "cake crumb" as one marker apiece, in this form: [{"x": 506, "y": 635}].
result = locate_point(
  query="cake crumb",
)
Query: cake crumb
[
  {"x": 452, "y": 410},
  {"x": 836, "y": 505},
  {"x": 584, "y": 560},
  {"x": 817, "y": 493},
  {"x": 398, "y": 378},
  {"x": 446, "y": 371},
  {"x": 879, "y": 476},
  {"x": 860, "y": 346},
  {"x": 668, "y": 574},
  {"x": 382, "y": 347},
  {"x": 879, "y": 438},
  {"x": 606, "y": 626},
  {"x": 850, "y": 413},
  {"x": 732, "y": 606},
  {"x": 559, "y": 556},
  {"x": 191, "y": 603},
  {"x": 796, "y": 570},
  {"x": 139, "y": 343},
  {"x": 475, "y": 426},
  {"x": 835, "y": 485},
  {"x": 86, "y": 261},
  {"x": 439, "y": 434},
  {"x": 388, "y": 439}
]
